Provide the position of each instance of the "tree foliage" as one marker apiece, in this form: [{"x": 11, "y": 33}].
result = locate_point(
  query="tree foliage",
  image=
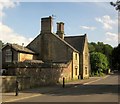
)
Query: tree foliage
[
  {"x": 116, "y": 57},
  {"x": 105, "y": 49},
  {"x": 98, "y": 62}
]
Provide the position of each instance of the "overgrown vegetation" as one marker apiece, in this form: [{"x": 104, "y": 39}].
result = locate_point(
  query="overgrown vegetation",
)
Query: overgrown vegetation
[
  {"x": 116, "y": 58},
  {"x": 100, "y": 58},
  {"x": 99, "y": 63}
]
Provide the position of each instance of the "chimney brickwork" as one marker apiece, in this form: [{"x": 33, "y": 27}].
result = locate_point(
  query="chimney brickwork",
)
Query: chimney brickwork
[
  {"x": 47, "y": 25},
  {"x": 60, "y": 30}
]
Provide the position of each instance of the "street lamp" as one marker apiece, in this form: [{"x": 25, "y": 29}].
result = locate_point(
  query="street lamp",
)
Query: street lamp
[{"x": 116, "y": 5}]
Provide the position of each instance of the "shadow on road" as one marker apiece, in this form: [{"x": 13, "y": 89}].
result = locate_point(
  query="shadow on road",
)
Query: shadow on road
[
  {"x": 87, "y": 90},
  {"x": 80, "y": 89}
]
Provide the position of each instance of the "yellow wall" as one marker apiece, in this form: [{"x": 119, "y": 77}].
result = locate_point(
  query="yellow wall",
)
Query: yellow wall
[
  {"x": 86, "y": 61},
  {"x": 75, "y": 65},
  {"x": 23, "y": 56}
]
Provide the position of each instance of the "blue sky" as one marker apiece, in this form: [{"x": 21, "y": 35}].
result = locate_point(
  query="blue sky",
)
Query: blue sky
[{"x": 99, "y": 20}]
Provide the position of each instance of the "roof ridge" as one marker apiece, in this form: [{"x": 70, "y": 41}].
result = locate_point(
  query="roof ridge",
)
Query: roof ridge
[
  {"x": 18, "y": 47},
  {"x": 77, "y": 42},
  {"x": 65, "y": 42},
  {"x": 21, "y": 48},
  {"x": 75, "y": 36}
]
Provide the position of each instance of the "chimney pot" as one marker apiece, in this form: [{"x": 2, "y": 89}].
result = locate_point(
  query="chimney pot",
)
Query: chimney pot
[{"x": 60, "y": 30}]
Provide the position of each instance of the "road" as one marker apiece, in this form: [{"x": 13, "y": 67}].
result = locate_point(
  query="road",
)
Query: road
[{"x": 103, "y": 90}]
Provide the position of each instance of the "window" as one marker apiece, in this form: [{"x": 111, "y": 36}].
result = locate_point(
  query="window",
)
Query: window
[
  {"x": 75, "y": 56},
  {"x": 75, "y": 71},
  {"x": 86, "y": 70},
  {"x": 86, "y": 56},
  {"x": 8, "y": 55}
]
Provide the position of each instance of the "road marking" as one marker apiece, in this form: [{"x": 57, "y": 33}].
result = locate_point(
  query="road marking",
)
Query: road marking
[
  {"x": 23, "y": 98},
  {"x": 95, "y": 80},
  {"x": 42, "y": 94}
]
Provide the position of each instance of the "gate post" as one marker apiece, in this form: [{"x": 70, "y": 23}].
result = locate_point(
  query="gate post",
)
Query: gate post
[
  {"x": 16, "y": 90},
  {"x": 63, "y": 82}
]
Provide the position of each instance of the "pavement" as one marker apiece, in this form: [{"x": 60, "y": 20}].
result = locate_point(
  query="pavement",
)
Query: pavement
[{"x": 29, "y": 93}]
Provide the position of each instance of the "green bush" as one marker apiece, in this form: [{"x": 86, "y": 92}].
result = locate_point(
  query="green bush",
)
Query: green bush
[{"x": 99, "y": 63}]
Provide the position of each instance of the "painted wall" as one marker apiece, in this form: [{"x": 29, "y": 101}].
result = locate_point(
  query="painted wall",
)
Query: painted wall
[
  {"x": 86, "y": 64},
  {"x": 24, "y": 56},
  {"x": 75, "y": 65}
]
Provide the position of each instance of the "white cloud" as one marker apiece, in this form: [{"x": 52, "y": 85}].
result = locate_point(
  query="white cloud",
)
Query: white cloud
[
  {"x": 111, "y": 38},
  {"x": 88, "y": 27},
  {"x": 9, "y": 35},
  {"x": 7, "y": 4},
  {"x": 107, "y": 22}
]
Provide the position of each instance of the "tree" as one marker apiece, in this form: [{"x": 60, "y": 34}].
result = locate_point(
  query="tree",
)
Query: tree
[
  {"x": 116, "y": 5},
  {"x": 108, "y": 52},
  {"x": 91, "y": 47},
  {"x": 105, "y": 49},
  {"x": 3, "y": 44},
  {"x": 98, "y": 62},
  {"x": 116, "y": 58}
]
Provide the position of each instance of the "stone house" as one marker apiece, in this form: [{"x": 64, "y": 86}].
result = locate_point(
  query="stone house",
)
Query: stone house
[
  {"x": 15, "y": 53},
  {"x": 57, "y": 48},
  {"x": 54, "y": 48}
]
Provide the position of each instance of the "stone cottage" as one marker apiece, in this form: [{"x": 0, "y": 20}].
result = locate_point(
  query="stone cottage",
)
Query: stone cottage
[{"x": 56, "y": 49}]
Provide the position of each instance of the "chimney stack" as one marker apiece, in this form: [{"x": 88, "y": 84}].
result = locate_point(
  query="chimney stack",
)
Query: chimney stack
[
  {"x": 47, "y": 25},
  {"x": 60, "y": 30}
]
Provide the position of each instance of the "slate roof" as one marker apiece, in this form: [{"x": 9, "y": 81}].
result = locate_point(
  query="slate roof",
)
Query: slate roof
[
  {"x": 76, "y": 41},
  {"x": 19, "y": 48},
  {"x": 64, "y": 41}
]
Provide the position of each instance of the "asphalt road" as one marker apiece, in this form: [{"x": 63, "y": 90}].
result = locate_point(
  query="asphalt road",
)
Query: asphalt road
[{"x": 103, "y": 90}]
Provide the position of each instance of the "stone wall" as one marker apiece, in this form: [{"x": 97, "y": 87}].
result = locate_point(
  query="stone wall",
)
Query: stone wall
[
  {"x": 8, "y": 83},
  {"x": 86, "y": 63},
  {"x": 43, "y": 76},
  {"x": 30, "y": 77}
]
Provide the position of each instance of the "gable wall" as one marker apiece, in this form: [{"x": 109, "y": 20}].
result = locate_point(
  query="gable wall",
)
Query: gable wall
[
  {"x": 36, "y": 45},
  {"x": 55, "y": 50},
  {"x": 14, "y": 54},
  {"x": 86, "y": 60}
]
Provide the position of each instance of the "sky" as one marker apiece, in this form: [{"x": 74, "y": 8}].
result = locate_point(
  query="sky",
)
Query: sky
[{"x": 21, "y": 21}]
